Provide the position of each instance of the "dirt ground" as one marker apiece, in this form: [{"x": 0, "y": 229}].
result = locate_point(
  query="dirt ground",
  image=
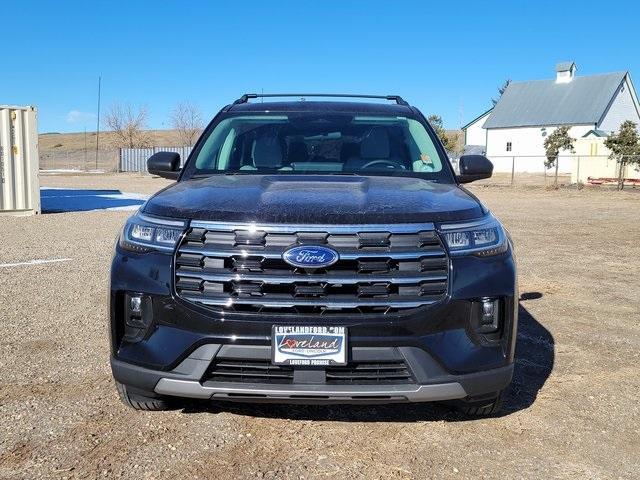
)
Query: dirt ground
[{"x": 572, "y": 411}]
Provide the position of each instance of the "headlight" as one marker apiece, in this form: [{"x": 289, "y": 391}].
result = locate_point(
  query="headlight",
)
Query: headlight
[
  {"x": 143, "y": 233},
  {"x": 482, "y": 238}
]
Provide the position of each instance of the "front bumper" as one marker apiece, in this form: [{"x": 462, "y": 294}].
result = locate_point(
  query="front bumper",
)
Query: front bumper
[
  {"x": 188, "y": 379},
  {"x": 448, "y": 358}
]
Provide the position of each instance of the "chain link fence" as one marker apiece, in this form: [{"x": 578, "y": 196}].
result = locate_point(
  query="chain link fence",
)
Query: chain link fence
[
  {"x": 106, "y": 161},
  {"x": 80, "y": 160},
  {"x": 578, "y": 170}
]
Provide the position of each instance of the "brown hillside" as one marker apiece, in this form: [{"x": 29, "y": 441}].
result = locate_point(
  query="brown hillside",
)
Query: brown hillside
[{"x": 65, "y": 142}]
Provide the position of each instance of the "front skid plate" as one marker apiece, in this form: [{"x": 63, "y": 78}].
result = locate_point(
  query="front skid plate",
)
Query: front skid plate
[{"x": 410, "y": 393}]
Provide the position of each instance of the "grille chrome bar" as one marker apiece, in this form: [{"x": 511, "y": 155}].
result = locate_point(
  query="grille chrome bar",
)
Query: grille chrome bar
[
  {"x": 265, "y": 301},
  {"x": 275, "y": 254},
  {"x": 301, "y": 278}
]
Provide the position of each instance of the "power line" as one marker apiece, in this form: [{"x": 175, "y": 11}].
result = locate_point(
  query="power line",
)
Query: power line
[{"x": 98, "y": 127}]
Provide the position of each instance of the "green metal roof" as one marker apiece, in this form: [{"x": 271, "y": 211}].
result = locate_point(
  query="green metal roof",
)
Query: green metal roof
[
  {"x": 476, "y": 119},
  {"x": 596, "y": 132}
]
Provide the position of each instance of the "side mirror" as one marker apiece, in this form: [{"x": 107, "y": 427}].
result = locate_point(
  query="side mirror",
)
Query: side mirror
[
  {"x": 474, "y": 167},
  {"x": 164, "y": 164}
]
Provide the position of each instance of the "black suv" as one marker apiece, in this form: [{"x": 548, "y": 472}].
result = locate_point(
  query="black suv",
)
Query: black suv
[{"x": 314, "y": 252}]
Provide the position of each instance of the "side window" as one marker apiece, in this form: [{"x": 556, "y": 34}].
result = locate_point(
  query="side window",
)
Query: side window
[
  {"x": 424, "y": 155},
  {"x": 508, "y": 146},
  {"x": 208, "y": 156},
  {"x": 225, "y": 151}
]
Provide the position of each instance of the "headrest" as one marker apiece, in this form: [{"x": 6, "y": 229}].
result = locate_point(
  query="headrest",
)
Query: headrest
[
  {"x": 349, "y": 150},
  {"x": 297, "y": 152},
  {"x": 267, "y": 152},
  {"x": 375, "y": 144}
]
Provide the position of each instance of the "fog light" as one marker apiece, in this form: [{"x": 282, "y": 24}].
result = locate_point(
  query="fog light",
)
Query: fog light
[
  {"x": 138, "y": 311},
  {"x": 490, "y": 315},
  {"x": 136, "y": 305}
]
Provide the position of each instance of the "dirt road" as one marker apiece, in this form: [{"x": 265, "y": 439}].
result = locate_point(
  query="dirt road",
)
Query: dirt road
[{"x": 572, "y": 411}]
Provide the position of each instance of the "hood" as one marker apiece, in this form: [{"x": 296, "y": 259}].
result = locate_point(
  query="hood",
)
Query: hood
[{"x": 310, "y": 199}]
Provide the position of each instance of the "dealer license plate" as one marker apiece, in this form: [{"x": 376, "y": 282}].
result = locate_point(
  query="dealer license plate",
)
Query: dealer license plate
[{"x": 308, "y": 345}]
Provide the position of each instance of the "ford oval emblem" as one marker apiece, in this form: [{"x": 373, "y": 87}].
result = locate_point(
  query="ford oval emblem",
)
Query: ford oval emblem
[{"x": 310, "y": 256}]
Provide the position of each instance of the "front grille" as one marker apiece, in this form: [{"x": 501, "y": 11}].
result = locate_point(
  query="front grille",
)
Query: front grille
[
  {"x": 370, "y": 373},
  {"x": 380, "y": 268},
  {"x": 385, "y": 372},
  {"x": 250, "y": 371}
]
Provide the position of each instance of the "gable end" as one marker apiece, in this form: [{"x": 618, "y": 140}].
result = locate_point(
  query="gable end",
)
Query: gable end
[{"x": 623, "y": 106}]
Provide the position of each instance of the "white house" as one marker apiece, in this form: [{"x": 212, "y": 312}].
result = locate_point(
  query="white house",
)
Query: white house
[
  {"x": 475, "y": 136},
  {"x": 515, "y": 129}
]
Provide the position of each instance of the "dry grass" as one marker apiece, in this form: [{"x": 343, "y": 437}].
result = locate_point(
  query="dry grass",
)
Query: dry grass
[
  {"x": 67, "y": 150},
  {"x": 63, "y": 142},
  {"x": 77, "y": 150}
]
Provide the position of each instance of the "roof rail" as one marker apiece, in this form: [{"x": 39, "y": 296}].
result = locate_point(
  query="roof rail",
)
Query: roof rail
[{"x": 245, "y": 98}]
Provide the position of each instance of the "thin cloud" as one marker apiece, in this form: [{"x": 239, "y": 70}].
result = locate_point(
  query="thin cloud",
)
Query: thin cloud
[{"x": 76, "y": 116}]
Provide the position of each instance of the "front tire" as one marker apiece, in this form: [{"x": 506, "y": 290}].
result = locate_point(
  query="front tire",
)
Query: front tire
[
  {"x": 138, "y": 401},
  {"x": 484, "y": 407}
]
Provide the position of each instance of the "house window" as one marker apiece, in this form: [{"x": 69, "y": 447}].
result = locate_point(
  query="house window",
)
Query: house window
[{"x": 508, "y": 146}]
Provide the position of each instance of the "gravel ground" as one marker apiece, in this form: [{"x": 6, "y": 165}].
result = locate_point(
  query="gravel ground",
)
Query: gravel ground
[{"x": 572, "y": 411}]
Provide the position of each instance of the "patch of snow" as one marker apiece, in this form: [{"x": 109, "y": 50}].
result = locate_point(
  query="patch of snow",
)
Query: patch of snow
[{"x": 57, "y": 200}]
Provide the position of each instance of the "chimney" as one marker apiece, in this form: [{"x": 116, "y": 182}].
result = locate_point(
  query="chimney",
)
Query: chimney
[{"x": 565, "y": 71}]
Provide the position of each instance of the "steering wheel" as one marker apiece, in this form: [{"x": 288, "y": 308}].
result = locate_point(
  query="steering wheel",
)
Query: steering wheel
[{"x": 391, "y": 163}]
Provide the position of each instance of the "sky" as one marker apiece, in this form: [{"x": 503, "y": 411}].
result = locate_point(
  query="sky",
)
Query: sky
[{"x": 446, "y": 58}]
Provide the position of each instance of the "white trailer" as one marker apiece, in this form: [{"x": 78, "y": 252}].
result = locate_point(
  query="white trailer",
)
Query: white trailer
[{"x": 19, "y": 161}]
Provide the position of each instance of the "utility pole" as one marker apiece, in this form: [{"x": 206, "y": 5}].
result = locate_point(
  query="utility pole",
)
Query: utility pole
[
  {"x": 98, "y": 127},
  {"x": 86, "y": 167}
]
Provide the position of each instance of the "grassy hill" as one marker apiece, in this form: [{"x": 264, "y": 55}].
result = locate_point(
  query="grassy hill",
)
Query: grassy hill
[
  {"x": 67, "y": 150},
  {"x": 64, "y": 142}
]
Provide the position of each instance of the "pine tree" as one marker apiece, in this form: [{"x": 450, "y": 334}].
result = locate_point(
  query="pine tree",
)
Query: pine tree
[
  {"x": 625, "y": 148},
  {"x": 448, "y": 141}
]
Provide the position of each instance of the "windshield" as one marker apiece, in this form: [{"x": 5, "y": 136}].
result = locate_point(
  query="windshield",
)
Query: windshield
[{"x": 325, "y": 143}]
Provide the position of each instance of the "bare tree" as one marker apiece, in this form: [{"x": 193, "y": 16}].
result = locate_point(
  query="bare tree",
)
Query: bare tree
[
  {"x": 187, "y": 121},
  {"x": 501, "y": 91},
  {"x": 129, "y": 125}
]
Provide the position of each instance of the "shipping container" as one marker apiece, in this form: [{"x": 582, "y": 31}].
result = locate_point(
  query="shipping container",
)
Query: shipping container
[{"x": 19, "y": 161}]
